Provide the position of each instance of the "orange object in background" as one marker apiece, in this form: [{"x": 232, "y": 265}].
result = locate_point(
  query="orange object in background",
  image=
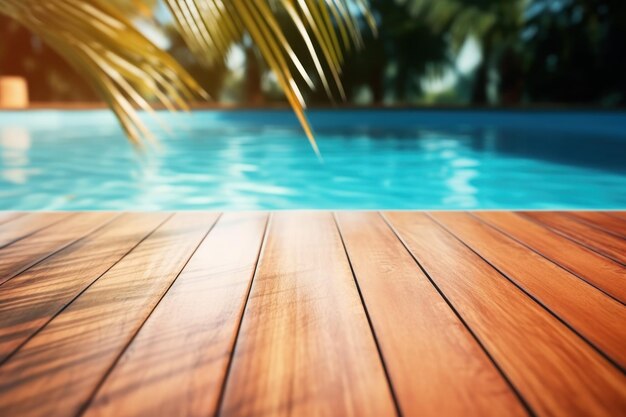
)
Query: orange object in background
[{"x": 13, "y": 92}]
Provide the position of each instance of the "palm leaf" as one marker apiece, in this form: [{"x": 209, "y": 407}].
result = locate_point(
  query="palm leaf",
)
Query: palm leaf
[
  {"x": 327, "y": 28},
  {"x": 98, "y": 38},
  {"x": 123, "y": 66}
]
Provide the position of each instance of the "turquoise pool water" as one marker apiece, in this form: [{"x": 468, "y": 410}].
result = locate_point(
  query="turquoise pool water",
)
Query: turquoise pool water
[{"x": 56, "y": 160}]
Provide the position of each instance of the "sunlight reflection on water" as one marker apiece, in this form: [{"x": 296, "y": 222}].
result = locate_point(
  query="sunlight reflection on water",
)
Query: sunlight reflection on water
[{"x": 261, "y": 160}]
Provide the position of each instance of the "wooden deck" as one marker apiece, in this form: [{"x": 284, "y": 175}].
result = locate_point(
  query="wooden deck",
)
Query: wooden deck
[{"x": 313, "y": 314}]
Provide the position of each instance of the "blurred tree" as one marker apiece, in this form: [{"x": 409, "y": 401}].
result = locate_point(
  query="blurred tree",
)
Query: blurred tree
[
  {"x": 393, "y": 63},
  {"x": 420, "y": 37},
  {"x": 574, "y": 51},
  {"x": 495, "y": 24}
]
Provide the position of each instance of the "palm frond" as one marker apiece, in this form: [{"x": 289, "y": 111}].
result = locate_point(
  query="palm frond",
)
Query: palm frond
[
  {"x": 327, "y": 28},
  {"x": 103, "y": 45},
  {"x": 98, "y": 38}
]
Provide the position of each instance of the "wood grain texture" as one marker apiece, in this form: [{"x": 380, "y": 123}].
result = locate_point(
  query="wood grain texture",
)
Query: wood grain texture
[
  {"x": 145, "y": 316},
  {"x": 594, "y": 268},
  {"x": 620, "y": 214},
  {"x": 602, "y": 220},
  {"x": 305, "y": 347},
  {"x": 31, "y": 299},
  {"x": 7, "y": 216},
  {"x": 602, "y": 242},
  {"x": 26, "y": 252},
  {"x": 28, "y": 224},
  {"x": 177, "y": 363},
  {"x": 556, "y": 372},
  {"x": 597, "y": 317},
  {"x": 57, "y": 371},
  {"x": 436, "y": 366}
]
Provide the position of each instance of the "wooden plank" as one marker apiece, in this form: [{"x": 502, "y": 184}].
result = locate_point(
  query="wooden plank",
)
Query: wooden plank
[
  {"x": 550, "y": 366},
  {"x": 57, "y": 371},
  {"x": 26, "y": 252},
  {"x": 436, "y": 366},
  {"x": 177, "y": 363},
  {"x": 305, "y": 347},
  {"x": 620, "y": 214},
  {"x": 26, "y": 225},
  {"x": 602, "y": 220},
  {"x": 7, "y": 216},
  {"x": 596, "y": 269},
  {"x": 597, "y": 317},
  {"x": 31, "y": 299},
  {"x": 603, "y": 243}
]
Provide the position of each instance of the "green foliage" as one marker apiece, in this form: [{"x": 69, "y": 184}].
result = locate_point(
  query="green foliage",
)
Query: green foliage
[{"x": 547, "y": 51}]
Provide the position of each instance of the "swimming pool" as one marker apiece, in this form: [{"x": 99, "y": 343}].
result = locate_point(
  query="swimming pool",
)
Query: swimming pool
[{"x": 242, "y": 160}]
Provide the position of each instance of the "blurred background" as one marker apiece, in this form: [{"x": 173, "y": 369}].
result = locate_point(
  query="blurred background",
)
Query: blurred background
[{"x": 428, "y": 52}]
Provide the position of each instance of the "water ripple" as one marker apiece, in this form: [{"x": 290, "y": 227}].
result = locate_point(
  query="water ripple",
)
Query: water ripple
[{"x": 65, "y": 162}]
